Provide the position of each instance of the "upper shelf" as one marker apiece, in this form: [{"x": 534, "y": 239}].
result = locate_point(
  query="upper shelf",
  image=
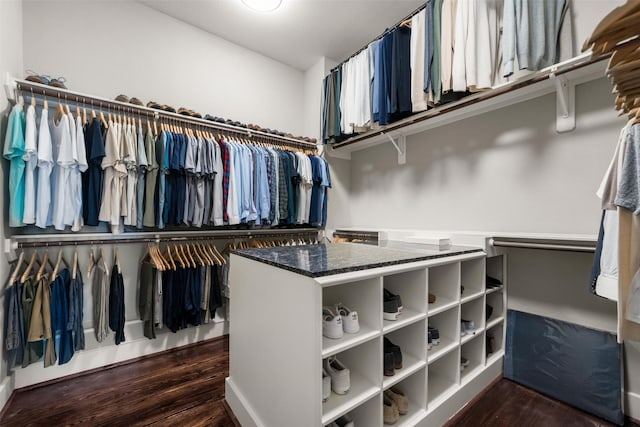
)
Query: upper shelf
[
  {"x": 560, "y": 78},
  {"x": 14, "y": 86}
]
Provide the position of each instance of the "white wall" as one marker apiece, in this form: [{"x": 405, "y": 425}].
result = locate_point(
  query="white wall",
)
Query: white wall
[
  {"x": 507, "y": 170},
  {"x": 313, "y": 98},
  {"x": 11, "y": 62},
  {"x": 106, "y": 48}
]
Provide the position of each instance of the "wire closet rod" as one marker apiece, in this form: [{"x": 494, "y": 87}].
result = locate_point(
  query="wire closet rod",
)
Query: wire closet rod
[
  {"x": 384, "y": 33},
  {"x": 33, "y": 88},
  {"x": 544, "y": 246},
  {"x": 39, "y": 241}
]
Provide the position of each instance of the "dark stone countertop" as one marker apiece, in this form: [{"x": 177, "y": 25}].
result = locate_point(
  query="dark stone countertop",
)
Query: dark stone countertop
[{"x": 328, "y": 259}]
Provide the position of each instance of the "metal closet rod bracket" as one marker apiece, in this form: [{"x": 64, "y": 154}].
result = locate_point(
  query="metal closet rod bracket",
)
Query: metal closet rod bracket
[
  {"x": 565, "y": 102},
  {"x": 400, "y": 146}
]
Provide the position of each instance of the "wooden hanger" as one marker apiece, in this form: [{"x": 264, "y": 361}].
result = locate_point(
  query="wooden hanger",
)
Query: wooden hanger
[
  {"x": 41, "y": 270},
  {"x": 74, "y": 270},
  {"x": 59, "y": 113},
  {"x": 116, "y": 258},
  {"x": 187, "y": 255},
  {"x": 182, "y": 263},
  {"x": 91, "y": 263},
  {"x": 16, "y": 270},
  {"x": 206, "y": 255},
  {"x": 54, "y": 273},
  {"x": 27, "y": 270}
]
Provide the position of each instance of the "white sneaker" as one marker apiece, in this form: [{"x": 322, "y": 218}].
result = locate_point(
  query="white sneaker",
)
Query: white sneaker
[
  {"x": 326, "y": 385},
  {"x": 331, "y": 323},
  {"x": 340, "y": 376},
  {"x": 350, "y": 323}
]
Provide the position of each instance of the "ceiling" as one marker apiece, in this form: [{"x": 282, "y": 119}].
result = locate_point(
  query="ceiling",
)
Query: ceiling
[{"x": 297, "y": 34}]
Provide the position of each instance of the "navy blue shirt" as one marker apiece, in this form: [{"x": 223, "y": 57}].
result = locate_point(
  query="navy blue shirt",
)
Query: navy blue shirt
[{"x": 92, "y": 177}]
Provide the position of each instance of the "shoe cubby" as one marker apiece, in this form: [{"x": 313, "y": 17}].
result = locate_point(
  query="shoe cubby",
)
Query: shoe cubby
[
  {"x": 363, "y": 297},
  {"x": 496, "y": 301},
  {"x": 473, "y": 311},
  {"x": 368, "y": 414},
  {"x": 413, "y": 387},
  {"x": 472, "y": 279},
  {"x": 444, "y": 283},
  {"x": 443, "y": 378},
  {"x": 473, "y": 351},
  {"x": 496, "y": 333},
  {"x": 448, "y": 325},
  {"x": 411, "y": 342},
  {"x": 495, "y": 268},
  {"x": 412, "y": 288},
  {"x": 364, "y": 363}
]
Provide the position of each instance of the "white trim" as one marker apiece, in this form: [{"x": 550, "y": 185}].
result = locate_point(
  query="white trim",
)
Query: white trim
[{"x": 632, "y": 405}]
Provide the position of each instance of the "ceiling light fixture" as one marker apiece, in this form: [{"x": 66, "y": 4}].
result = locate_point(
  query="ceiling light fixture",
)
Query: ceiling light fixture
[{"x": 262, "y": 5}]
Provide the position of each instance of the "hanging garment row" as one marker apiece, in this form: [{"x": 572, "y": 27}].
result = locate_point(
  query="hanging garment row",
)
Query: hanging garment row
[
  {"x": 179, "y": 285},
  {"x": 616, "y": 265},
  {"x": 449, "y": 49},
  {"x": 76, "y": 170},
  {"x": 45, "y": 308}
]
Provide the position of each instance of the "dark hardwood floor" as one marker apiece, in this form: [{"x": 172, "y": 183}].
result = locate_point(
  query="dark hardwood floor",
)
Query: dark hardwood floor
[
  {"x": 185, "y": 387},
  {"x": 508, "y": 404}
]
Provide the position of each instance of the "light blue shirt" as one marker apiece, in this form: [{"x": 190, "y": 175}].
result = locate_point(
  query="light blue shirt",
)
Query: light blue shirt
[{"x": 14, "y": 149}]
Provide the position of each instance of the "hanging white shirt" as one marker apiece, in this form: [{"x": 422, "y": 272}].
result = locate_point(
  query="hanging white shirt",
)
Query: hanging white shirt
[
  {"x": 45, "y": 166},
  {"x": 63, "y": 153},
  {"x": 418, "y": 95},
  {"x": 31, "y": 161},
  {"x": 76, "y": 175}
]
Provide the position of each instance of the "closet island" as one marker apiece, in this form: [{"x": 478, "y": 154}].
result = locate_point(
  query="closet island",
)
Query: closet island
[{"x": 277, "y": 347}]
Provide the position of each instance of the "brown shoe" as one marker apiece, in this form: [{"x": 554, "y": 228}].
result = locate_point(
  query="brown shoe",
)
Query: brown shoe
[
  {"x": 135, "y": 101},
  {"x": 432, "y": 298},
  {"x": 122, "y": 98},
  {"x": 399, "y": 398},
  {"x": 390, "y": 413}
]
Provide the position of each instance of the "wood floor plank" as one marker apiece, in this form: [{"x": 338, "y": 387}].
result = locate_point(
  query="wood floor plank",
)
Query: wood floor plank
[{"x": 185, "y": 387}]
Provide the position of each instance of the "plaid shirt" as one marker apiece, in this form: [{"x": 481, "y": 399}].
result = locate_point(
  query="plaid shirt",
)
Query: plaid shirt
[{"x": 225, "y": 178}]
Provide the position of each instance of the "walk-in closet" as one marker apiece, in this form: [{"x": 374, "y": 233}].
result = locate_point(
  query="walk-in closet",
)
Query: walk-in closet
[{"x": 279, "y": 213}]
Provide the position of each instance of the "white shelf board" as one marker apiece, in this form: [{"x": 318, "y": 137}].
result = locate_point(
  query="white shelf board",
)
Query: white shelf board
[
  {"x": 406, "y": 318},
  {"x": 468, "y": 337},
  {"x": 495, "y": 356},
  {"x": 441, "y": 304},
  {"x": 472, "y": 296},
  {"x": 437, "y": 351},
  {"x": 339, "y": 404},
  {"x": 577, "y": 70},
  {"x": 471, "y": 371},
  {"x": 410, "y": 365},
  {"x": 414, "y": 414},
  {"x": 496, "y": 289},
  {"x": 493, "y": 322},
  {"x": 440, "y": 389},
  {"x": 334, "y": 346}
]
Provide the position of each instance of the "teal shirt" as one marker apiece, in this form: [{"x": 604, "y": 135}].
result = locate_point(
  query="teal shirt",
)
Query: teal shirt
[{"x": 14, "y": 149}]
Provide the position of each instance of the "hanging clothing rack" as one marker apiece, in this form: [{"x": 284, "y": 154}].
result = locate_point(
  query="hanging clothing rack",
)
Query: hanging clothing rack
[
  {"x": 54, "y": 240},
  {"x": 15, "y": 86},
  {"x": 544, "y": 244},
  {"x": 384, "y": 33}
]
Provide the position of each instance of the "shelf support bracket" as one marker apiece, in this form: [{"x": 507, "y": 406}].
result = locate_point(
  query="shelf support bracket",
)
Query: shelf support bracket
[
  {"x": 565, "y": 104},
  {"x": 400, "y": 146},
  {"x": 10, "y": 87}
]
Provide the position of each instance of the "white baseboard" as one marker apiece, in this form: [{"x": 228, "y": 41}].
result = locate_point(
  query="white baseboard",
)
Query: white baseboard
[
  {"x": 632, "y": 405},
  {"x": 239, "y": 405},
  {"x": 6, "y": 388},
  {"x": 106, "y": 353}
]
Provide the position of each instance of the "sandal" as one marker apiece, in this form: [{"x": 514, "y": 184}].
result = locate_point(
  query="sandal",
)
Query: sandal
[
  {"x": 58, "y": 82},
  {"x": 32, "y": 76}
]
